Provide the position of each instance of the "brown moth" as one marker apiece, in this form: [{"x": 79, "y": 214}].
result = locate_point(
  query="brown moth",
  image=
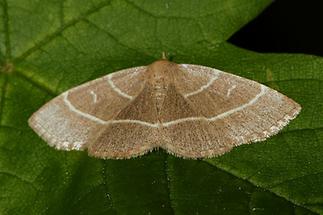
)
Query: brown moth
[{"x": 191, "y": 111}]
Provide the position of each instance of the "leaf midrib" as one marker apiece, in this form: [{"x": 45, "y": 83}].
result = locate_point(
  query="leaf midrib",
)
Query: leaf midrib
[{"x": 168, "y": 183}]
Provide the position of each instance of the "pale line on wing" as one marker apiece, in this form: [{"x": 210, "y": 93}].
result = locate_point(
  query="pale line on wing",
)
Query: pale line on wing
[
  {"x": 222, "y": 115},
  {"x": 94, "y": 96},
  {"x": 101, "y": 121},
  {"x": 230, "y": 89},
  {"x": 116, "y": 89},
  {"x": 155, "y": 125},
  {"x": 75, "y": 110},
  {"x": 204, "y": 87},
  {"x": 262, "y": 92}
]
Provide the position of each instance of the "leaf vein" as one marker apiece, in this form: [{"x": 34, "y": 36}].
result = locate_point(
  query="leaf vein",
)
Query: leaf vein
[
  {"x": 6, "y": 29},
  {"x": 293, "y": 179},
  {"x": 47, "y": 39},
  {"x": 19, "y": 178},
  {"x": 2, "y": 98},
  {"x": 255, "y": 184},
  {"x": 115, "y": 39},
  {"x": 20, "y": 73},
  {"x": 106, "y": 190},
  {"x": 62, "y": 12}
]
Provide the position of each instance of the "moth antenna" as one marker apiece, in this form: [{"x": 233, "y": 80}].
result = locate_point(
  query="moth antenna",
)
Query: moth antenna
[{"x": 164, "y": 56}]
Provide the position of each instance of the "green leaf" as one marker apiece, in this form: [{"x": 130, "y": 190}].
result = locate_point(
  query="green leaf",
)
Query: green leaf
[{"x": 47, "y": 47}]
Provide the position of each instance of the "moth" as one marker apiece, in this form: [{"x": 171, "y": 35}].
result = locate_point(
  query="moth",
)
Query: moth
[{"x": 191, "y": 111}]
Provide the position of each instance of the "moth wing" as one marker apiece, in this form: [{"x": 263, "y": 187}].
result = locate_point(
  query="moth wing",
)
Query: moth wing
[
  {"x": 230, "y": 111},
  {"x": 69, "y": 121},
  {"x": 133, "y": 132}
]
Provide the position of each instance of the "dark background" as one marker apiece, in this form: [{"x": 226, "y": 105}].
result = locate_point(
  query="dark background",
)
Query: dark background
[{"x": 288, "y": 26}]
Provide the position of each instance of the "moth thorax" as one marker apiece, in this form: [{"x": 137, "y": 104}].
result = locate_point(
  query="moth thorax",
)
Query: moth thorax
[
  {"x": 160, "y": 87},
  {"x": 160, "y": 77}
]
